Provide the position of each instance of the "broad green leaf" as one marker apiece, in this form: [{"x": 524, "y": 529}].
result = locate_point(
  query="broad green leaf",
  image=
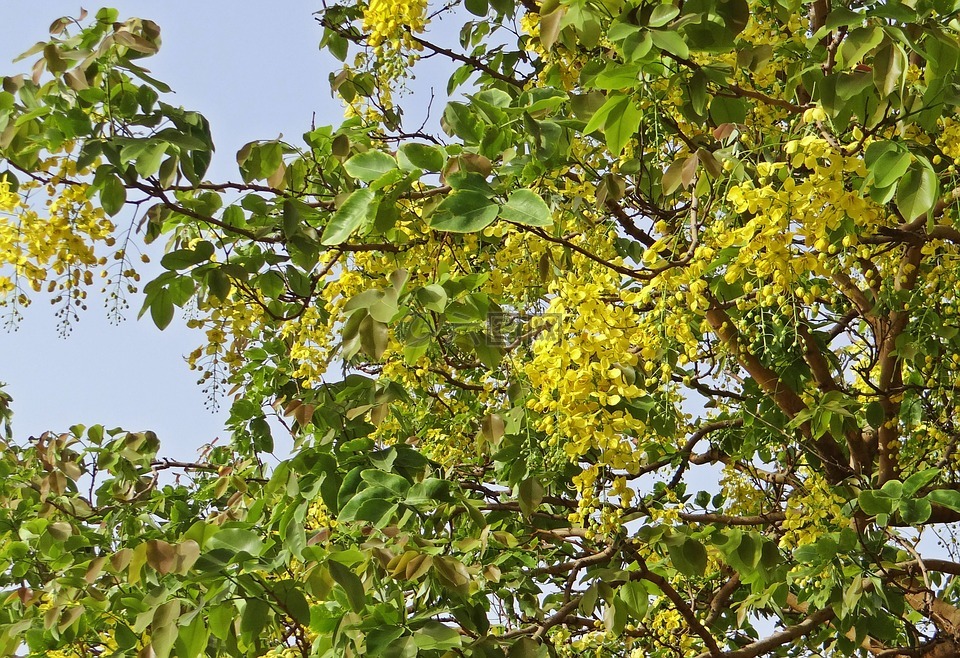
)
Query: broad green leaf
[
  {"x": 918, "y": 191},
  {"x": 453, "y": 574},
  {"x": 434, "y": 636},
  {"x": 421, "y": 156},
  {"x": 350, "y": 511},
  {"x": 477, "y": 7},
  {"x": 237, "y": 540},
  {"x": 465, "y": 211},
  {"x": 148, "y": 162},
  {"x": 370, "y": 165},
  {"x": 621, "y": 127},
  {"x": 663, "y": 14},
  {"x": 635, "y": 595},
  {"x": 671, "y": 42},
  {"x": 530, "y": 495},
  {"x": 618, "y": 76},
  {"x": 889, "y": 66},
  {"x": 433, "y": 297},
  {"x": 373, "y": 337},
  {"x": 526, "y": 207},
  {"x": 348, "y": 217},
  {"x": 919, "y": 480},
  {"x": 161, "y": 308},
  {"x": 182, "y": 259},
  {"x": 395, "y": 483},
  {"x": 857, "y": 44},
  {"x": 614, "y": 104},
  {"x": 875, "y": 414},
  {"x": 113, "y": 195},
  {"x": 550, "y": 24},
  {"x": 949, "y": 498},
  {"x": 350, "y": 583},
  {"x": 873, "y": 503},
  {"x": 890, "y": 167},
  {"x": 690, "y": 557},
  {"x": 914, "y": 511}
]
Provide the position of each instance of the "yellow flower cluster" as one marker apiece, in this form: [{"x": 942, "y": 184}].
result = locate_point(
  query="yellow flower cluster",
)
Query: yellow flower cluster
[
  {"x": 229, "y": 325},
  {"x": 949, "y": 138},
  {"x": 811, "y": 512},
  {"x": 310, "y": 349},
  {"x": 55, "y": 251},
  {"x": 391, "y": 26},
  {"x": 741, "y": 492},
  {"x": 318, "y": 516}
]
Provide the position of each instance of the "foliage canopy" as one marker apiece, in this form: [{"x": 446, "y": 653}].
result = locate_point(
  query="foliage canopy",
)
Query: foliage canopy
[{"x": 651, "y": 349}]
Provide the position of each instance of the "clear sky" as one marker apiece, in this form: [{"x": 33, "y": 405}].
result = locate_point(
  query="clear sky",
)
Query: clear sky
[{"x": 255, "y": 70}]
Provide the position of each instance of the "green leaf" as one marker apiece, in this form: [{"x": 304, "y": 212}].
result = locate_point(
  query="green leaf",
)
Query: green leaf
[
  {"x": 370, "y": 166},
  {"x": 613, "y": 104},
  {"x": 949, "y": 498},
  {"x": 918, "y": 191},
  {"x": 373, "y": 337},
  {"x": 348, "y": 217},
  {"x": 919, "y": 480},
  {"x": 477, "y": 7},
  {"x": 421, "y": 156},
  {"x": 635, "y": 595},
  {"x": 530, "y": 493},
  {"x": 219, "y": 284},
  {"x": 550, "y": 24},
  {"x": 618, "y": 76},
  {"x": 161, "y": 309},
  {"x": 671, "y": 42},
  {"x": 689, "y": 557},
  {"x": 621, "y": 126},
  {"x": 192, "y": 638},
  {"x": 350, "y": 582},
  {"x": 889, "y": 65},
  {"x": 256, "y": 615},
  {"x": 433, "y": 297},
  {"x": 873, "y": 503},
  {"x": 892, "y": 489},
  {"x": 526, "y": 207},
  {"x": 351, "y": 510},
  {"x": 890, "y": 167},
  {"x": 395, "y": 483},
  {"x": 914, "y": 511},
  {"x": 857, "y": 44},
  {"x": 663, "y": 14},
  {"x": 434, "y": 636},
  {"x": 875, "y": 414},
  {"x": 453, "y": 574},
  {"x": 181, "y": 259},
  {"x": 237, "y": 540},
  {"x": 148, "y": 162},
  {"x": 465, "y": 211},
  {"x": 113, "y": 195}
]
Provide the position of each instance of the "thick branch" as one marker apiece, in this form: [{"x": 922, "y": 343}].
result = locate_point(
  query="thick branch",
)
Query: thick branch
[
  {"x": 769, "y": 382},
  {"x": 789, "y": 634}
]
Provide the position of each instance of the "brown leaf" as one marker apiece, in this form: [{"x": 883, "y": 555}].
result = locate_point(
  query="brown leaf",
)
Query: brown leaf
[
  {"x": 162, "y": 556},
  {"x": 550, "y": 27},
  {"x": 134, "y": 42},
  {"x": 120, "y": 559},
  {"x": 187, "y": 554},
  {"x": 689, "y": 171},
  {"x": 477, "y": 163},
  {"x": 94, "y": 569}
]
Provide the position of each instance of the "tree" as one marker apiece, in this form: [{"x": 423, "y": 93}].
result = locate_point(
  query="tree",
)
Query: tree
[{"x": 652, "y": 350}]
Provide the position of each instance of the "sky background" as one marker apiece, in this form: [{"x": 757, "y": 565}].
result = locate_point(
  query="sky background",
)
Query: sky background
[{"x": 255, "y": 71}]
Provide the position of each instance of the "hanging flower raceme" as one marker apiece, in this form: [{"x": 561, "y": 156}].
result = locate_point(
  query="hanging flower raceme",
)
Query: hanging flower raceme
[{"x": 392, "y": 28}]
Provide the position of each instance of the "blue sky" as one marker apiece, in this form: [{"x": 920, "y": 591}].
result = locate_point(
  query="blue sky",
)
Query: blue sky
[{"x": 255, "y": 70}]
